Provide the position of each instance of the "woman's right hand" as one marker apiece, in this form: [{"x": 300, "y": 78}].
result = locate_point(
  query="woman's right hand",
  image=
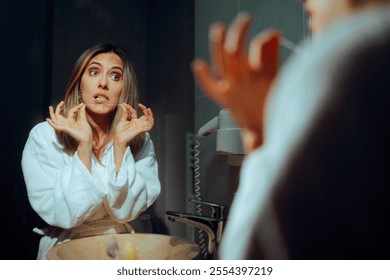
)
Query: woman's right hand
[
  {"x": 75, "y": 124},
  {"x": 242, "y": 78}
]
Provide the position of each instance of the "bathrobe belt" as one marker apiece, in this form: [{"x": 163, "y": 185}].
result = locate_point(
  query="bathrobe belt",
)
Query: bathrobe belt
[{"x": 98, "y": 227}]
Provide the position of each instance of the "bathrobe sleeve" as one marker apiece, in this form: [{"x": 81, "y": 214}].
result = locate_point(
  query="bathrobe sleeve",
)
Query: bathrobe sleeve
[
  {"x": 311, "y": 191},
  {"x": 63, "y": 192},
  {"x": 136, "y": 186},
  {"x": 60, "y": 188}
]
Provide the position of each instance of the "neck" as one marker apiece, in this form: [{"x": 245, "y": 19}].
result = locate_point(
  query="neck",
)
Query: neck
[
  {"x": 100, "y": 126},
  {"x": 100, "y": 123}
]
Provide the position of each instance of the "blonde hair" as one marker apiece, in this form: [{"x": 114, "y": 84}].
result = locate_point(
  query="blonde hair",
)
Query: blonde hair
[{"x": 129, "y": 95}]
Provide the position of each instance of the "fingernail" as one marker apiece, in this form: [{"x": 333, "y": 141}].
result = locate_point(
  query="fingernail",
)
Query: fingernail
[
  {"x": 197, "y": 64},
  {"x": 215, "y": 33}
]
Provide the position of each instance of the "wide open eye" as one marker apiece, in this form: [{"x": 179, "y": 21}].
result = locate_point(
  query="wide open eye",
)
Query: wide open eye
[
  {"x": 115, "y": 76},
  {"x": 93, "y": 72}
]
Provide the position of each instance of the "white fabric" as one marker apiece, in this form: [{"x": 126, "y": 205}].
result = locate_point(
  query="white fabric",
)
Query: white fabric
[
  {"x": 66, "y": 196},
  {"x": 303, "y": 88}
]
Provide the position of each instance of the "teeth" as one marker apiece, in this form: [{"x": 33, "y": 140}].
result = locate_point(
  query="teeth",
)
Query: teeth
[{"x": 100, "y": 97}]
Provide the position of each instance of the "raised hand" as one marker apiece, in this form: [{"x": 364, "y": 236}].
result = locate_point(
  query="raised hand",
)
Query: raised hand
[
  {"x": 130, "y": 125},
  {"x": 240, "y": 80},
  {"x": 75, "y": 124}
]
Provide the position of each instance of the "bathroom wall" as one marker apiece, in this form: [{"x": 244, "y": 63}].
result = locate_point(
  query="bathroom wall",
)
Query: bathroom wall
[
  {"x": 219, "y": 180},
  {"x": 170, "y": 92},
  {"x": 23, "y": 35}
]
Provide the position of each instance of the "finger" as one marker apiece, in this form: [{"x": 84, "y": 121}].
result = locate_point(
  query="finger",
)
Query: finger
[
  {"x": 144, "y": 109},
  {"x": 264, "y": 52},
  {"x": 81, "y": 112},
  {"x": 148, "y": 125},
  {"x": 133, "y": 113},
  {"x": 212, "y": 87},
  {"x": 125, "y": 113},
  {"x": 59, "y": 108},
  {"x": 150, "y": 113},
  {"x": 72, "y": 112},
  {"x": 217, "y": 36},
  {"x": 142, "y": 106},
  {"x": 151, "y": 122},
  {"x": 236, "y": 33},
  {"x": 52, "y": 114},
  {"x": 51, "y": 111},
  {"x": 53, "y": 124},
  {"x": 235, "y": 50}
]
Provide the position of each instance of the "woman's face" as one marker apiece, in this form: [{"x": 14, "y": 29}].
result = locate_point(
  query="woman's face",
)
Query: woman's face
[
  {"x": 321, "y": 13},
  {"x": 101, "y": 83}
]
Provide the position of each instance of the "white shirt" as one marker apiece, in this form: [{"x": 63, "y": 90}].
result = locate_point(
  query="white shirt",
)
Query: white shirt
[
  {"x": 66, "y": 195},
  {"x": 304, "y": 88}
]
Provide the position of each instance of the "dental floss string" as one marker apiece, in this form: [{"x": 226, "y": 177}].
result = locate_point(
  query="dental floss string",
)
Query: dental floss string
[
  {"x": 101, "y": 104},
  {"x": 290, "y": 45}
]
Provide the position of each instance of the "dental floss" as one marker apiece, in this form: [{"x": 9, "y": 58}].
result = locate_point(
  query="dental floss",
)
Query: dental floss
[{"x": 290, "y": 45}]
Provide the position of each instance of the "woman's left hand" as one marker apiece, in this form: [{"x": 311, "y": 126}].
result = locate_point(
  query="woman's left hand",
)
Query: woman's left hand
[{"x": 130, "y": 125}]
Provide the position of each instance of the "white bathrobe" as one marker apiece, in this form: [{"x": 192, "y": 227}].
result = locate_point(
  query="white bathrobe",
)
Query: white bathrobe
[
  {"x": 77, "y": 203},
  {"x": 289, "y": 203}
]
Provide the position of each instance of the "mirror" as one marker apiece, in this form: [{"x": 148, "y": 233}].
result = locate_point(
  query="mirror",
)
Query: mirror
[{"x": 162, "y": 37}]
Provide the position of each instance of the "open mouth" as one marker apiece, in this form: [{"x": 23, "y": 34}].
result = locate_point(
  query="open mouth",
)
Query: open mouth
[{"x": 100, "y": 97}]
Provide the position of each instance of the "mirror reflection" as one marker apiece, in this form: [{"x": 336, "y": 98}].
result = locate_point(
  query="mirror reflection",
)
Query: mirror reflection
[{"x": 161, "y": 38}]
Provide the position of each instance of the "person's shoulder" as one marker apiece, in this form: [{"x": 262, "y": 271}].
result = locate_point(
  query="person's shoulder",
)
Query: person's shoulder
[
  {"x": 42, "y": 127},
  {"x": 356, "y": 31},
  {"x": 44, "y": 130}
]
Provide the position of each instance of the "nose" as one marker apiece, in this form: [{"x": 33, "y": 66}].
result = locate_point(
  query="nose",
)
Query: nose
[{"x": 103, "y": 82}]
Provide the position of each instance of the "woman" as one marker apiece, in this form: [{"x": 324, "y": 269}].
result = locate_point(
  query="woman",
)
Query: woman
[
  {"x": 91, "y": 167},
  {"x": 313, "y": 184}
]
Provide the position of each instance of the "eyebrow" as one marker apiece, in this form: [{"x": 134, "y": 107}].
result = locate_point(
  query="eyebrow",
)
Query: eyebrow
[{"x": 114, "y": 67}]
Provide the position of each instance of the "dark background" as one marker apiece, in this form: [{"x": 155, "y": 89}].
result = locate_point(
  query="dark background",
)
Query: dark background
[{"x": 40, "y": 42}]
